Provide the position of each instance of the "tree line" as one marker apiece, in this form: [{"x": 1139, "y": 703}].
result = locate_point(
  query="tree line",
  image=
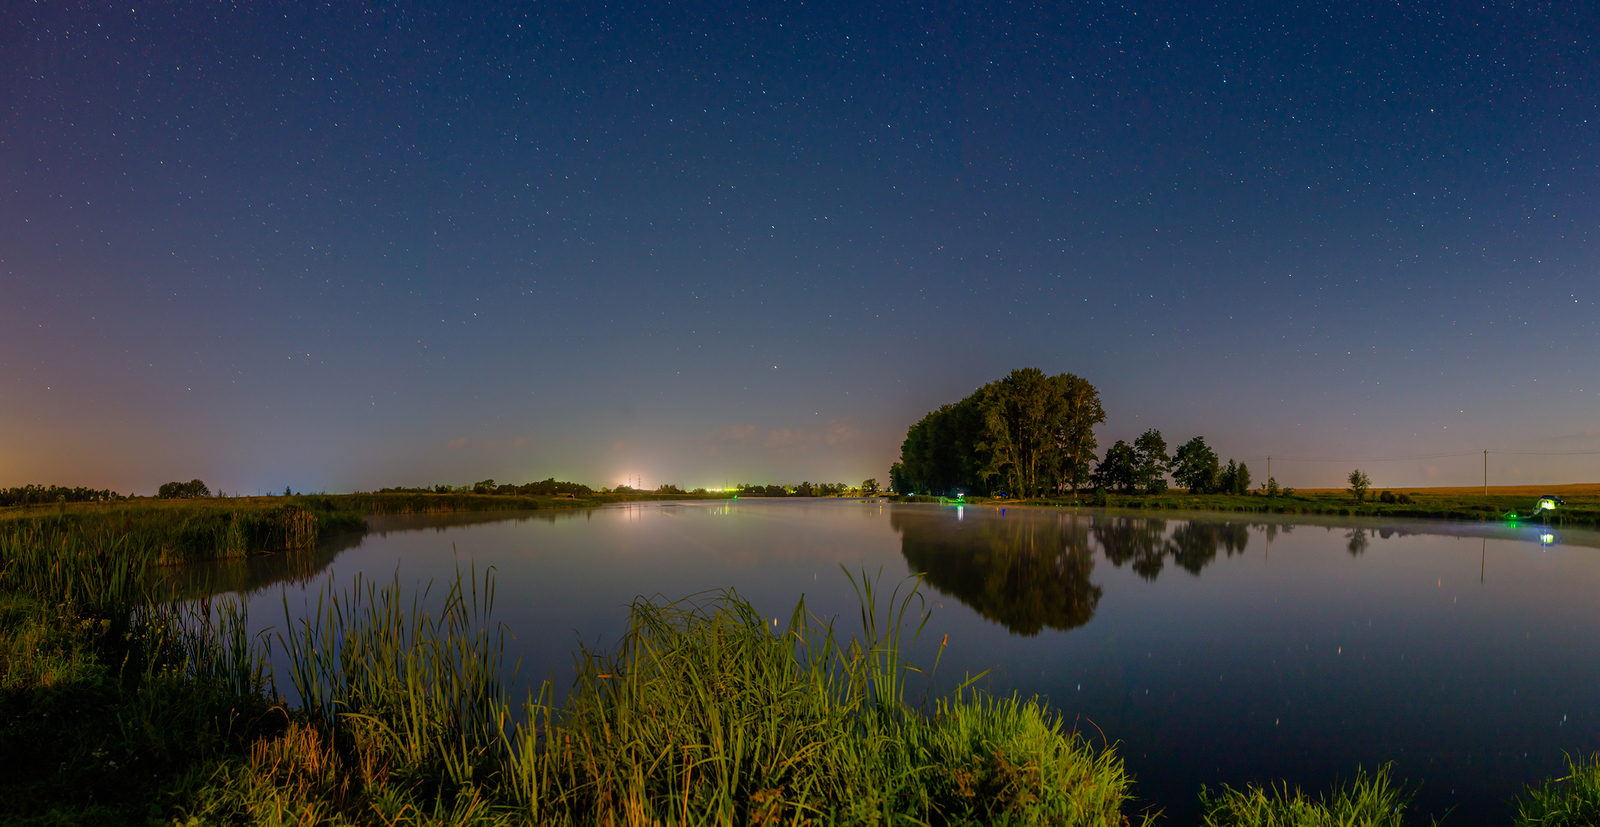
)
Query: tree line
[
  {"x": 1032, "y": 435},
  {"x": 36, "y": 494},
  {"x": 543, "y": 488},
  {"x": 808, "y": 489}
]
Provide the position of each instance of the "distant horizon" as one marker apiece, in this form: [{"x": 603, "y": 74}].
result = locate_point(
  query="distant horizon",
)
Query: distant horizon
[{"x": 1378, "y": 484}]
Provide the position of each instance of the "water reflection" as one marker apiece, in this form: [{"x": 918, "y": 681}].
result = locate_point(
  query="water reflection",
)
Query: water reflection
[
  {"x": 1032, "y": 572},
  {"x": 249, "y": 575},
  {"x": 1023, "y": 574}
]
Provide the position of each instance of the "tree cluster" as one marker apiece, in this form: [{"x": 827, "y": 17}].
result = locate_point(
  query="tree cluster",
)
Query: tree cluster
[
  {"x": 804, "y": 489},
  {"x": 193, "y": 489},
  {"x": 34, "y": 494},
  {"x": 1026, "y": 435},
  {"x": 544, "y": 488},
  {"x": 1032, "y": 435},
  {"x": 1196, "y": 468}
]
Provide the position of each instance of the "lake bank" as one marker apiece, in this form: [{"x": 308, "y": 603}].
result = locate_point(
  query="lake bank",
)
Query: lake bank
[{"x": 1505, "y": 504}]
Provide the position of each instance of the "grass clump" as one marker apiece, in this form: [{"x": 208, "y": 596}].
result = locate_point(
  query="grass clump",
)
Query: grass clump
[
  {"x": 707, "y": 714},
  {"x": 1569, "y": 801},
  {"x": 1373, "y": 800}
]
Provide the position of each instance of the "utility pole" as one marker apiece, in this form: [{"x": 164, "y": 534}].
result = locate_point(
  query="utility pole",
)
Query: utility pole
[{"x": 1485, "y": 473}]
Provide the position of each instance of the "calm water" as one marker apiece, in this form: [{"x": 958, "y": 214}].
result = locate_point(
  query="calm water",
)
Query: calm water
[{"x": 1215, "y": 649}]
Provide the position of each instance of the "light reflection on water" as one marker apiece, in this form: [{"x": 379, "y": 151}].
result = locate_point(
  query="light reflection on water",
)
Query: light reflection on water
[{"x": 1216, "y": 649}]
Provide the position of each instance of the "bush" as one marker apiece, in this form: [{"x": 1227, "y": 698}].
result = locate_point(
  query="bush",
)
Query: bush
[{"x": 1388, "y": 498}]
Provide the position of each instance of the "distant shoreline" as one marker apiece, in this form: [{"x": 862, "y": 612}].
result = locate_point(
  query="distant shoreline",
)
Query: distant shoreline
[{"x": 1504, "y": 504}]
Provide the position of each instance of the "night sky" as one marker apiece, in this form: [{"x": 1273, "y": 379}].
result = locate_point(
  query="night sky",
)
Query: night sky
[{"x": 338, "y": 247}]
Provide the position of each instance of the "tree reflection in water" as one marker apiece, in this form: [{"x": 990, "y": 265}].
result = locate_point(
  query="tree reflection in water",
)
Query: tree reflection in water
[
  {"x": 1032, "y": 572},
  {"x": 1024, "y": 574}
]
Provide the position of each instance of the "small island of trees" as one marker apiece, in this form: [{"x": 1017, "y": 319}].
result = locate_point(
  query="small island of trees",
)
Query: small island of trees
[{"x": 1032, "y": 435}]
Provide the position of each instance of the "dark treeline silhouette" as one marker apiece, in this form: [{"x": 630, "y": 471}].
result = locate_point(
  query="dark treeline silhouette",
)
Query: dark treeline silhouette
[
  {"x": 35, "y": 494},
  {"x": 1032, "y": 435},
  {"x": 544, "y": 488},
  {"x": 804, "y": 489},
  {"x": 1026, "y": 575}
]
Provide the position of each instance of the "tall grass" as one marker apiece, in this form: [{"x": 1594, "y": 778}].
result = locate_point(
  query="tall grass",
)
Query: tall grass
[
  {"x": 1569, "y": 801},
  {"x": 705, "y": 714},
  {"x": 1368, "y": 800},
  {"x": 161, "y": 533},
  {"x": 423, "y": 689}
]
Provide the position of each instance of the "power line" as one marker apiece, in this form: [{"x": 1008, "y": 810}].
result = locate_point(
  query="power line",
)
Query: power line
[
  {"x": 1546, "y": 453},
  {"x": 1370, "y": 459},
  {"x": 1429, "y": 456}
]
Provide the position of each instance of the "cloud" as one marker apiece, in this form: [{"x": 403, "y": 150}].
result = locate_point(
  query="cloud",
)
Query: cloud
[
  {"x": 733, "y": 434},
  {"x": 839, "y": 432},
  {"x": 455, "y": 444},
  {"x": 781, "y": 441},
  {"x": 1588, "y": 435}
]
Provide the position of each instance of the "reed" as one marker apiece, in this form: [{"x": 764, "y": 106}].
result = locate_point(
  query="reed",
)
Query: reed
[
  {"x": 1368, "y": 800},
  {"x": 162, "y": 533},
  {"x": 422, "y": 689}
]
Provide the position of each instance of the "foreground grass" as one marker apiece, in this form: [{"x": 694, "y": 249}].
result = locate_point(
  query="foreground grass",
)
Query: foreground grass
[
  {"x": 1569, "y": 801},
  {"x": 1367, "y": 801}
]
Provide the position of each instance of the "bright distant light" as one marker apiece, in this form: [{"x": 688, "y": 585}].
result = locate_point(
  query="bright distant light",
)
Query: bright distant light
[{"x": 1546, "y": 539}]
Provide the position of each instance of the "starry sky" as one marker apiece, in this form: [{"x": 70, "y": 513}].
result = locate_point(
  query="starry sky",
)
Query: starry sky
[{"x": 342, "y": 246}]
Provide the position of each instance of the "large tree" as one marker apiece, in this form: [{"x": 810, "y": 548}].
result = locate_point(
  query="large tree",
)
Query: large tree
[
  {"x": 1117, "y": 471},
  {"x": 1150, "y": 466},
  {"x": 1074, "y": 433},
  {"x": 1194, "y": 466},
  {"x": 1026, "y": 435}
]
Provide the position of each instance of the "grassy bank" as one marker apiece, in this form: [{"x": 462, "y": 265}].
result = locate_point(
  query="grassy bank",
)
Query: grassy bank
[
  {"x": 1582, "y": 508},
  {"x": 162, "y": 532},
  {"x": 397, "y": 503}
]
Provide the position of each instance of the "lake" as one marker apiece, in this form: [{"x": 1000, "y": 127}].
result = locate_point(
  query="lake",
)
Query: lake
[{"x": 1211, "y": 648}]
